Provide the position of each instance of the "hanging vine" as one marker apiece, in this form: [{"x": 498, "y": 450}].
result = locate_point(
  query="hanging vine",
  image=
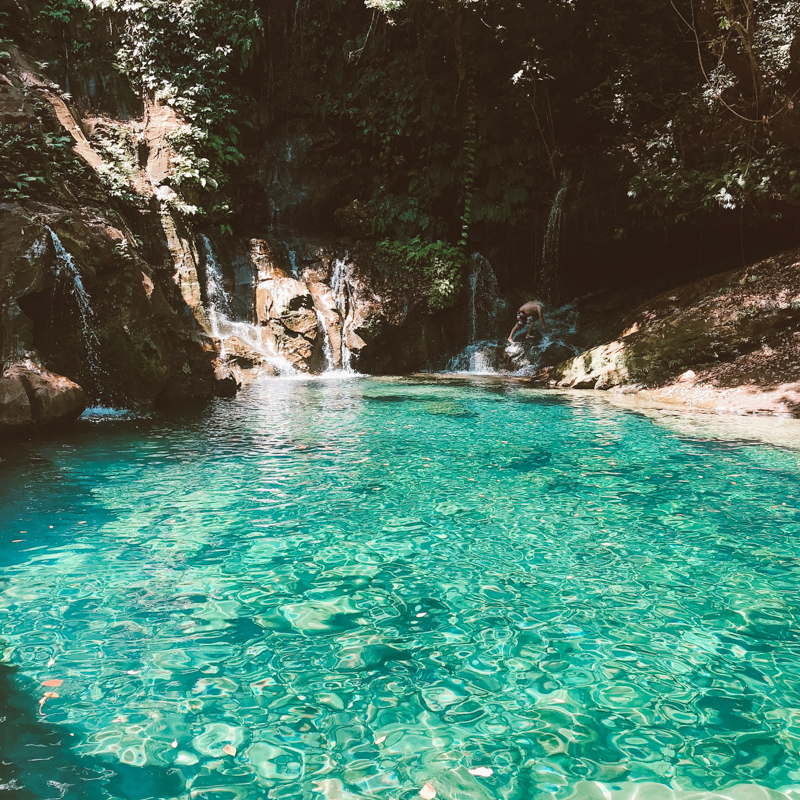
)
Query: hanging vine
[{"x": 470, "y": 145}]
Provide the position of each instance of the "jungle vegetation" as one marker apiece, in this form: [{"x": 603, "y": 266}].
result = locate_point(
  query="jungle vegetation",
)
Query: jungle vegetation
[{"x": 454, "y": 123}]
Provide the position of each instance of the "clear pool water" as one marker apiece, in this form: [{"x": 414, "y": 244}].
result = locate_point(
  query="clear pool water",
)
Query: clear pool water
[{"x": 350, "y": 589}]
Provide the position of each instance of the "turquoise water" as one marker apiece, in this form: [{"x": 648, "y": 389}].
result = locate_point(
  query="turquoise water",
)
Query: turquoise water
[{"x": 349, "y": 589}]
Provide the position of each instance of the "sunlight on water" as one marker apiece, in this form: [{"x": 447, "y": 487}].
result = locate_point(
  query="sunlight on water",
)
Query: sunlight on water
[{"x": 349, "y": 589}]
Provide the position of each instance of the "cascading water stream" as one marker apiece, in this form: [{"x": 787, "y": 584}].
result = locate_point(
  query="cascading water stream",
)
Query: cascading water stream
[
  {"x": 217, "y": 301},
  {"x": 481, "y": 354},
  {"x": 327, "y": 349},
  {"x": 69, "y": 280},
  {"x": 219, "y": 311},
  {"x": 551, "y": 250},
  {"x": 339, "y": 289}
]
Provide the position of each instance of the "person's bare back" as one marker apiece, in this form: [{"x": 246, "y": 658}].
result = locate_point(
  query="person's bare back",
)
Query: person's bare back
[{"x": 526, "y": 316}]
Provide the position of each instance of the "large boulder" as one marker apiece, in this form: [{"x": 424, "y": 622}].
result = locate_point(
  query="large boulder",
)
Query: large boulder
[
  {"x": 33, "y": 397},
  {"x": 15, "y": 408}
]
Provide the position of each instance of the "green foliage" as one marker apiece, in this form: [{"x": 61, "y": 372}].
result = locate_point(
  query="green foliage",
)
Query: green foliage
[
  {"x": 441, "y": 265},
  {"x": 32, "y": 159},
  {"x": 666, "y": 187},
  {"x": 221, "y": 40},
  {"x": 386, "y": 6},
  {"x": 452, "y": 119},
  {"x": 115, "y": 143}
]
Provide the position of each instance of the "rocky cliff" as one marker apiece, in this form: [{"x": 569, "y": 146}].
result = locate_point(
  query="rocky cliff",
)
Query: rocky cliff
[{"x": 107, "y": 279}]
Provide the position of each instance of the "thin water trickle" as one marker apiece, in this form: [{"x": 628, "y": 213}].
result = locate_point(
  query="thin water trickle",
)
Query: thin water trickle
[
  {"x": 70, "y": 283},
  {"x": 351, "y": 589},
  {"x": 481, "y": 355},
  {"x": 293, "y": 263},
  {"x": 218, "y": 305},
  {"x": 340, "y": 294},
  {"x": 551, "y": 250},
  {"x": 327, "y": 349}
]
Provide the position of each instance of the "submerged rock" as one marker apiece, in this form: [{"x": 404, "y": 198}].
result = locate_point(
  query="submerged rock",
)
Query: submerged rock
[{"x": 33, "y": 397}]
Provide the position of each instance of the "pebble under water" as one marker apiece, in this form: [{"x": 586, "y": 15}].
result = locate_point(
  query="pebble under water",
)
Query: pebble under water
[{"x": 365, "y": 588}]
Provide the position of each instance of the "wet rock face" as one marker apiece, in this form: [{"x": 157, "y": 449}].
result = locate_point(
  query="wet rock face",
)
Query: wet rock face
[
  {"x": 105, "y": 295},
  {"x": 285, "y": 310},
  {"x": 135, "y": 335},
  {"x": 33, "y": 397}
]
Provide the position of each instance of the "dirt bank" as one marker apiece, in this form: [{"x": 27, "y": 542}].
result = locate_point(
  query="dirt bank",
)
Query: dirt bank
[{"x": 729, "y": 343}]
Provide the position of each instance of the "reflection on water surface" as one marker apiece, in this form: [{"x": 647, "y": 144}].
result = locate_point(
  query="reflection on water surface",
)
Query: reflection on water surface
[{"x": 348, "y": 589}]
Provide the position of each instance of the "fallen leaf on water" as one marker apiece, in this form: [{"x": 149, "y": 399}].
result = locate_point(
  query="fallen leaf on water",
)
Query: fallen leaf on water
[
  {"x": 52, "y": 682},
  {"x": 174, "y": 742},
  {"x": 229, "y": 749},
  {"x": 482, "y": 772},
  {"x": 427, "y": 792},
  {"x": 380, "y": 740}
]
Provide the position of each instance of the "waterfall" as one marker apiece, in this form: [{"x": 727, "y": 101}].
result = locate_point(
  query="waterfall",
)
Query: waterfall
[
  {"x": 481, "y": 354},
  {"x": 69, "y": 280},
  {"x": 482, "y": 299},
  {"x": 223, "y": 327},
  {"x": 218, "y": 303},
  {"x": 551, "y": 250},
  {"x": 339, "y": 288},
  {"x": 293, "y": 263},
  {"x": 327, "y": 349}
]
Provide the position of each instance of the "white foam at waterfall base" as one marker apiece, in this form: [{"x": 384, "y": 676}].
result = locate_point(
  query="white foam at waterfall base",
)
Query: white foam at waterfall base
[
  {"x": 219, "y": 313},
  {"x": 479, "y": 358},
  {"x": 68, "y": 277}
]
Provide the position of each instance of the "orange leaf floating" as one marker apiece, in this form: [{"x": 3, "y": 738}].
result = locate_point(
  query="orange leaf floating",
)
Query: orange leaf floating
[
  {"x": 229, "y": 749},
  {"x": 427, "y": 792},
  {"x": 52, "y": 682}
]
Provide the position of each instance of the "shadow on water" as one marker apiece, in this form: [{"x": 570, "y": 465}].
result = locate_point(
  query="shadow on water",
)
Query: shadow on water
[
  {"x": 41, "y": 503},
  {"x": 37, "y": 761}
]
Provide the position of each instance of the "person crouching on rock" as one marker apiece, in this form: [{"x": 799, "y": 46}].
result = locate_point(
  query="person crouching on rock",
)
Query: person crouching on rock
[{"x": 525, "y": 316}]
